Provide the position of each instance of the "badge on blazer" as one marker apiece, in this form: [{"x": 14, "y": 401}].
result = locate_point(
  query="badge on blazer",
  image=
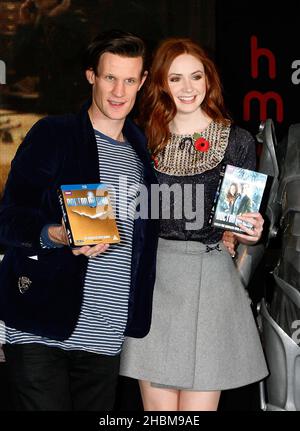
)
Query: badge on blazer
[{"x": 24, "y": 284}]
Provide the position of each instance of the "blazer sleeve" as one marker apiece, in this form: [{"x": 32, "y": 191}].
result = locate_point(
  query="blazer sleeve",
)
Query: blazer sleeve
[{"x": 22, "y": 213}]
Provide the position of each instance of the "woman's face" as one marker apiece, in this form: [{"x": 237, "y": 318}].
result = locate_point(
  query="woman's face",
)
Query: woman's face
[{"x": 187, "y": 83}]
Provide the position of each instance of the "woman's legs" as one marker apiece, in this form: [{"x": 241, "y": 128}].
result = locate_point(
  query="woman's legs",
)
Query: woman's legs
[
  {"x": 165, "y": 399},
  {"x": 158, "y": 399},
  {"x": 199, "y": 401}
]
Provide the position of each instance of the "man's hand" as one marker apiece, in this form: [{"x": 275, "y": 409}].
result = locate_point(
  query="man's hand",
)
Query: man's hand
[
  {"x": 58, "y": 234},
  {"x": 91, "y": 251},
  {"x": 230, "y": 241},
  {"x": 254, "y": 234}
]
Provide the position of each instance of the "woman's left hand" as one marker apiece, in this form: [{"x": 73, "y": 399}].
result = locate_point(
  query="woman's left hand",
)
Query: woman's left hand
[
  {"x": 254, "y": 234},
  {"x": 230, "y": 242}
]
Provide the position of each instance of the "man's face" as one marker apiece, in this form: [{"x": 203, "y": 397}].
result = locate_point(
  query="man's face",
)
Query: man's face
[
  {"x": 116, "y": 85},
  {"x": 245, "y": 189}
]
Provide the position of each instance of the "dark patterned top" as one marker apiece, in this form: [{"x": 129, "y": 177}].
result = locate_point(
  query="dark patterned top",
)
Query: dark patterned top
[{"x": 240, "y": 151}]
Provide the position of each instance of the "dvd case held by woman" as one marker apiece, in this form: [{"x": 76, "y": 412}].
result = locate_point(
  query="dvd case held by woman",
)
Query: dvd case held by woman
[
  {"x": 239, "y": 191},
  {"x": 88, "y": 214}
]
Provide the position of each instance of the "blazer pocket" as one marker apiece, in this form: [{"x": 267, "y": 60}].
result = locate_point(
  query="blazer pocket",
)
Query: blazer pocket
[
  {"x": 38, "y": 282},
  {"x": 41, "y": 296}
]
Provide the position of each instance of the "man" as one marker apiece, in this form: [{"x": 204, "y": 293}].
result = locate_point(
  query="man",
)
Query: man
[
  {"x": 67, "y": 311},
  {"x": 243, "y": 202}
]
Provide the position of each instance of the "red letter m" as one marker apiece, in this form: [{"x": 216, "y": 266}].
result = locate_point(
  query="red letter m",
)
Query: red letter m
[{"x": 263, "y": 99}]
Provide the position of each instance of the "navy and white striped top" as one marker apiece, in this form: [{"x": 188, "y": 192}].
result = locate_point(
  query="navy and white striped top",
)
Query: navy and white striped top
[{"x": 104, "y": 310}]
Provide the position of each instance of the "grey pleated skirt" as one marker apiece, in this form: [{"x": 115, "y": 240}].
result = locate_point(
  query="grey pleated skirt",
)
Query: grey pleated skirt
[{"x": 203, "y": 336}]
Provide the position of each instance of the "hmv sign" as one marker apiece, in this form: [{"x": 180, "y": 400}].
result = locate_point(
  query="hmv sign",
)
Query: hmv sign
[
  {"x": 259, "y": 57},
  {"x": 263, "y": 61}
]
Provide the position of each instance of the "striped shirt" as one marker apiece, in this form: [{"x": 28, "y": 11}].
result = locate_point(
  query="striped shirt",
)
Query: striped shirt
[{"x": 103, "y": 315}]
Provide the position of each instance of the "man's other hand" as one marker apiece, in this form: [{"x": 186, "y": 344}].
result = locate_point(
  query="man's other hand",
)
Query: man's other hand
[
  {"x": 91, "y": 251},
  {"x": 58, "y": 234}
]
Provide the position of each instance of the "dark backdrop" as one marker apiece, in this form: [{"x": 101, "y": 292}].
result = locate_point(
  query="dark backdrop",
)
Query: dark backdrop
[{"x": 275, "y": 27}]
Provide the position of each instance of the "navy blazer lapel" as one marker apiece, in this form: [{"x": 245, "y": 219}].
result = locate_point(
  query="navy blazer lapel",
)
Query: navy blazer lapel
[
  {"x": 88, "y": 153},
  {"x": 87, "y": 148}
]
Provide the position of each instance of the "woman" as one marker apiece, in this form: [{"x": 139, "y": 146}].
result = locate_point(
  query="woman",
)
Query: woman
[
  {"x": 231, "y": 197},
  {"x": 203, "y": 337}
]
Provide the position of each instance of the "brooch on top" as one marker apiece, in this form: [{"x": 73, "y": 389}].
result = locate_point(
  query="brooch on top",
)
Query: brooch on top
[{"x": 196, "y": 141}]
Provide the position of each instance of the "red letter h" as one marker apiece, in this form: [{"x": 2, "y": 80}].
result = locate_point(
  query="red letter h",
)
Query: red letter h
[{"x": 258, "y": 52}]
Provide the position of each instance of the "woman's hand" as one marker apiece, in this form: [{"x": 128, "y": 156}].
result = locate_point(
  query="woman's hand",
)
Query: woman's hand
[
  {"x": 254, "y": 234},
  {"x": 230, "y": 241}
]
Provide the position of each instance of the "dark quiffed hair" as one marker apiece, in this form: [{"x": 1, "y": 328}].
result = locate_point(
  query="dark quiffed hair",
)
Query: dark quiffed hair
[{"x": 116, "y": 42}]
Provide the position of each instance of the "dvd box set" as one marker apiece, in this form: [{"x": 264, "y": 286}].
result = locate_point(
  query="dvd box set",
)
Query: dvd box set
[
  {"x": 88, "y": 214},
  {"x": 239, "y": 191}
]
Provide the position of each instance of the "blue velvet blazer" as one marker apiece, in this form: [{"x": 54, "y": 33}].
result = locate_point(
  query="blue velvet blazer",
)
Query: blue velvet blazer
[{"x": 44, "y": 296}]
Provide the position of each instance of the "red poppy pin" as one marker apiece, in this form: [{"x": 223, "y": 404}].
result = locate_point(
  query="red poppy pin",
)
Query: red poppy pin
[
  {"x": 200, "y": 143},
  {"x": 154, "y": 161}
]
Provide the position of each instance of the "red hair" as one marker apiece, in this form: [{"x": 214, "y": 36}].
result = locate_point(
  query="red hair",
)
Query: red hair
[{"x": 157, "y": 105}]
